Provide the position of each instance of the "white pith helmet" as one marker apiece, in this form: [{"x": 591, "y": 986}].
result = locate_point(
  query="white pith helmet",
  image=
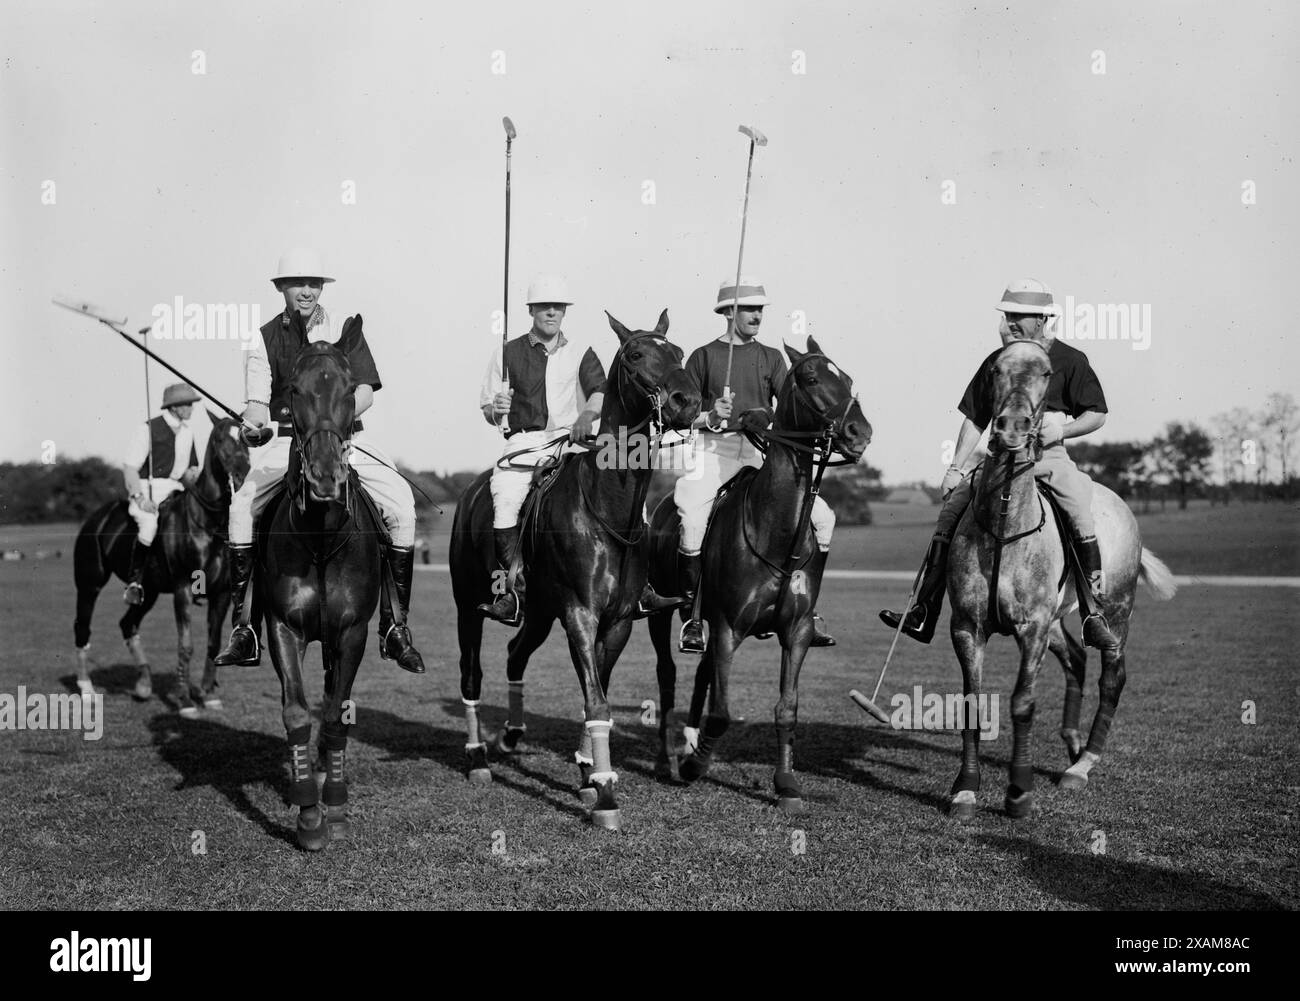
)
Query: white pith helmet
[
  {"x": 548, "y": 288},
  {"x": 300, "y": 262}
]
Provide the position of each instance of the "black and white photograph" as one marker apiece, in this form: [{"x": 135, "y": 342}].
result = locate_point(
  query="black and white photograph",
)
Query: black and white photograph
[{"x": 728, "y": 456}]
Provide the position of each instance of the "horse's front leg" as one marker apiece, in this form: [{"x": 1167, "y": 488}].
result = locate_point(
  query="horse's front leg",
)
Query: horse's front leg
[
  {"x": 1032, "y": 638},
  {"x": 793, "y": 650},
  {"x": 184, "y": 652},
  {"x": 286, "y": 655},
  {"x": 130, "y": 626},
  {"x": 713, "y": 673},
  {"x": 661, "y": 628},
  {"x": 340, "y": 672},
  {"x": 968, "y": 641},
  {"x": 581, "y": 625},
  {"x": 218, "y": 606}
]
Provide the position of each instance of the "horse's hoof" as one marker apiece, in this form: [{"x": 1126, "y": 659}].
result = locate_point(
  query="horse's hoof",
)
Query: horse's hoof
[
  {"x": 791, "y": 806},
  {"x": 1073, "y": 781},
  {"x": 480, "y": 776},
  {"x": 143, "y": 690},
  {"x": 588, "y": 794},
  {"x": 313, "y": 839},
  {"x": 691, "y": 768},
  {"x": 663, "y": 768},
  {"x": 508, "y": 739},
  {"x": 962, "y": 806},
  {"x": 189, "y": 712},
  {"x": 1018, "y": 803},
  {"x": 609, "y": 820},
  {"x": 212, "y": 702}
]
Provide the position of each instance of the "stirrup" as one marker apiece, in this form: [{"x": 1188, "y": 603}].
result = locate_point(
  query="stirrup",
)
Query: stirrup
[
  {"x": 497, "y": 615},
  {"x": 682, "y": 646},
  {"x": 404, "y": 635}
]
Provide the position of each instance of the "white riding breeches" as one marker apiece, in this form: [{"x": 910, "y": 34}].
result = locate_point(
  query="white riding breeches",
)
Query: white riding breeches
[
  {"x": 146, "y": 522},
  {"x": 391, "y": 493},
  {"x": 510, "y": 486},
  {"x": 717, "y": 458}
]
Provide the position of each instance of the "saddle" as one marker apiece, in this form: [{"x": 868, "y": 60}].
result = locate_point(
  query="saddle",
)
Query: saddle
[{"x": 544, "y": 476}]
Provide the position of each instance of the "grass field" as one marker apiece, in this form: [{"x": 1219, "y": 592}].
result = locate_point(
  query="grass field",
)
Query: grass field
[{"x": 1190, "y": 808}]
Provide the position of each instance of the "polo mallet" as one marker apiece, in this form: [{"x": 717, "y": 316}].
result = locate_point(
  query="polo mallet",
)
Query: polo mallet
[
  {"x": 868, "y": 705},
  {"x": 115, "y": 324},
  {"x": 505, "y": 292},
  {"x": 148, "y": 483},
  {"x": 756, "y": 138}
]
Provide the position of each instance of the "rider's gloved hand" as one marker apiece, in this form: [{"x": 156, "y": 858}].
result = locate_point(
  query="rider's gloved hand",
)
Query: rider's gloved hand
[
  {"x": 756, "y": 419},
  {"x": 721, "y": 409},
  {"x": 950, "y": 480},
  {"x": 1051, "y": 434},
  {"x": 256, "y": 437}
]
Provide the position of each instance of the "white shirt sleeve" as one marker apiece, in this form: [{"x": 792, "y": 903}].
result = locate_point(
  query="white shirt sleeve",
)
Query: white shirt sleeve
[
  {"x": 257, "y": 371},
  {"x": 492, "y": 383},
  {"x": 138, "y": 450}
]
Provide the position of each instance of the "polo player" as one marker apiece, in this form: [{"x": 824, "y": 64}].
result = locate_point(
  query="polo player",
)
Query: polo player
[
  {"x": 162, "y": 458},
  {"x": 757, "y": 372},
  {"x": 268, "y": 365},
  {"x": 1074, "y": 406}
]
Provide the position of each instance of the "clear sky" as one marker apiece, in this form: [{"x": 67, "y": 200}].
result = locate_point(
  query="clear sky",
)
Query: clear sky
[{"x": 1117, "y": 187}]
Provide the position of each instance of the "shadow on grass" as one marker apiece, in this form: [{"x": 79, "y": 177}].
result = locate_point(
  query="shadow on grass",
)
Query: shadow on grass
[
  {"x": 114, "y": 679},
  {"x": 1110, "y": 884},
  {"x": 208, "y": 753}
]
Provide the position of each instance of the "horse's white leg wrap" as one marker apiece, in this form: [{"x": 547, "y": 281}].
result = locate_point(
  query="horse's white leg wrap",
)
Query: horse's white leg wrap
[
  {"x": 691, "y": 737},
  {"x": 472, "y": 738},
  {"x": 1083, "y": 766},
  {"x": 602, "y": 770}
]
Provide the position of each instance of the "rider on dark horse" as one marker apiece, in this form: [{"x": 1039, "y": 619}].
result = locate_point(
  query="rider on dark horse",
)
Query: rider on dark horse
[
  {"x": 547, "y": 375},
  {"x": 162, "y": 458},
  {"x": 757, "y": 372},
  {"x": 1074, "y": 406},
  {"x": 268, "y": 363}
]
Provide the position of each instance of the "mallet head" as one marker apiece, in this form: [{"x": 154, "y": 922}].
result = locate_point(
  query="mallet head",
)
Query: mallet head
[
  {"x": 756, "y": 137},
  {"x": 869, "y": 707},
  {"x": 510, "y": 127}
]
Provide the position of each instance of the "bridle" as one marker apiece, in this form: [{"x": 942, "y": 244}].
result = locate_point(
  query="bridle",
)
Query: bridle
[{"x": 820, "y": 443}]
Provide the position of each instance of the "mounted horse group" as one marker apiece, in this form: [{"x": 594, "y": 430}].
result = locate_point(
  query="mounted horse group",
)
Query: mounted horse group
[{"x": 557, "y": 531}]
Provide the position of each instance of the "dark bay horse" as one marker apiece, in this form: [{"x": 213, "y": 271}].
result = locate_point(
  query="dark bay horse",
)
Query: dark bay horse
[
  {"x": 762, "y": 570},
  {"x": 190, "y": 542},
  {"x": 319, "y": 549},
  {"x": 584, "y": 555},
  {"x": 1032, "y": 596}
]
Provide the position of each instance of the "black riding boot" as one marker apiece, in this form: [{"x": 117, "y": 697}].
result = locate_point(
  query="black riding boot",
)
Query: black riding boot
[
  {"x": 134, "y": 593},
  {"x": 688, "y": 569},
  {"x": 924, "y": 615},
  {"x": 395, "y": 638},
  {"x": 651, "y": 601},
  {"x": 820, "y": 636},
  {"x": 509, "y": 605},
  {"x": 242, "y": 650},
  {"x": 1096, "y": 632}
]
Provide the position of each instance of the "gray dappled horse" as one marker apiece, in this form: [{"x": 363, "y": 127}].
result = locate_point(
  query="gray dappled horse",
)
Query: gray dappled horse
[
  {"x": 191, "y": 539},
  {"x": 1033, "y": 594}
]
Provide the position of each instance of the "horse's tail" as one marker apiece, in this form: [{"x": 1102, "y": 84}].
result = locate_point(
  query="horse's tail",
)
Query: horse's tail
[{"x": 1157, "y": 576}]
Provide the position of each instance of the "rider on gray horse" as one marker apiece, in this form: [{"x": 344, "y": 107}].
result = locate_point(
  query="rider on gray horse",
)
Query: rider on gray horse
[{"x": 1074, "y": 406}]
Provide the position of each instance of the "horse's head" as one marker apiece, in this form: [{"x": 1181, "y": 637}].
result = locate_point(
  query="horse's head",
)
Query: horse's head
[
  {"x": 1021, "y": 372},
  {"x": 322, "y": 402},
  {"x": 817, "y": 395},
  {"x": 227, "y": 453},
  {"x": 647, "y": 373}
]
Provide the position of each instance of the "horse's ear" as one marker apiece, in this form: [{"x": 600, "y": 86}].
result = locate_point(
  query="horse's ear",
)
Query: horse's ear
[
  {"x": 215, "y": 418},
  {"x": 351, "y": 333},
  {"x": 623, "y": 333},
  {"x": 795, "y": 356},
  {"x": 814, "y": 347},
  {"x": 661, "y": 327}
]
